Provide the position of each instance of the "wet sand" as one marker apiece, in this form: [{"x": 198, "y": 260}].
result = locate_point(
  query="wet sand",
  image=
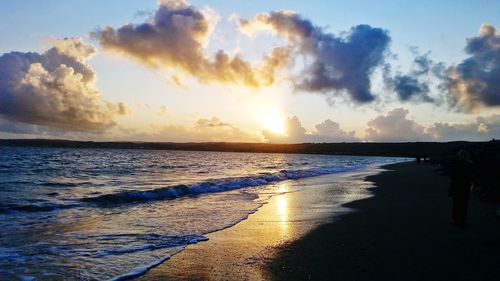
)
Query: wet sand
[
  {"x": 403, "y": 232},
  {"x": 242, "y": 252}
]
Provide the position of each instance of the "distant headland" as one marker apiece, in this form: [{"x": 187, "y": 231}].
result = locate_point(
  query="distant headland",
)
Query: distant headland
[{"x": 435, "y": 150}]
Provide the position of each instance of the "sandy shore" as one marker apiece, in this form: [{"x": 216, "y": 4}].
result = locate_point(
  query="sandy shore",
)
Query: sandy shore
[
  {"x": 401, "y": 233},
  {"x": 242, "y": 252}
]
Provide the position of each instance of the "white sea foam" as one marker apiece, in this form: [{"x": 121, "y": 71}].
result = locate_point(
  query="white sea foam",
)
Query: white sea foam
[{"x": 210, "y": 186}]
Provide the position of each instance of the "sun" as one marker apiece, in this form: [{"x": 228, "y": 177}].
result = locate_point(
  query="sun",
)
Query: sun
[{"x": 273, "y": 121}]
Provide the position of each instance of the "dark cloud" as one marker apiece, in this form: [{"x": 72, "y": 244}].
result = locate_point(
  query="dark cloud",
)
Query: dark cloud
[
  {"x": 475, "y": 82},
  {"x": 54, "y": 89},
  {"x": 334, "y": 63},
  {"x": 19, "y": 128},
  {"x": 13, "y": 129},
  {"x": 412, "y": 86},
  {"x": 175, "y": 38},
  {"x": 327, "y": 131},
  {"x": 408, "y": 87},
  {"x": 469, "y": 86}
]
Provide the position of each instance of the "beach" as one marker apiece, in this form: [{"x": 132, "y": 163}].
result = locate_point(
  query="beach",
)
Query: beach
[
  {"x": 249, "y": 140},
  {"x": 395, "y": 226},
  {"x": 242, "y": 252}
]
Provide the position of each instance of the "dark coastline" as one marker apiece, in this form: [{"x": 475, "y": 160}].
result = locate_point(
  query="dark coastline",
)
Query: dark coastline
[
  {"x": 403, "y": 232},
  {"x": 435, "y": 150}
]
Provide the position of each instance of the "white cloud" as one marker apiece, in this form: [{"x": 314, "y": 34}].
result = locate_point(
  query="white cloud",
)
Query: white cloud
[
  {"x": 175, "y": 38},
  {"x": 483, "y": 129},
  {"x": 327, "y": 131},
  {"x": 395, "y": 127},
  {"x": 55, "y": 89}
]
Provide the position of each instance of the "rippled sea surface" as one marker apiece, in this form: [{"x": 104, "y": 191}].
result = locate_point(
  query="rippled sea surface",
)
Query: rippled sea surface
[{"x": 100, "y": 214}]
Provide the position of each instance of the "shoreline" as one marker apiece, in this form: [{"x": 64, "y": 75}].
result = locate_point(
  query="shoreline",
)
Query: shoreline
[
  {"x": 241, "y": 252},
  {"x": 381, "y": 232},
  {"x": 403, "y": 232}
]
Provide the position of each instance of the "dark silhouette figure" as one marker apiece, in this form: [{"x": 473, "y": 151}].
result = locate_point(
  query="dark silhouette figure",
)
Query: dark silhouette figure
[
  {"x": 461, "y": 171},
  {"x": 425, "y": 157},
  {"x": 418, "y": 158}
]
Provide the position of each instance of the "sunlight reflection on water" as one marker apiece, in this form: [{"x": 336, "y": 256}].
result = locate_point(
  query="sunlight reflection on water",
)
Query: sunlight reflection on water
[{"x": 98, "y": 213}]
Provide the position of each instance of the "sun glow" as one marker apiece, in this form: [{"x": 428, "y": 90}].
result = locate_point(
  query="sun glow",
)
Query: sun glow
[{"x": 273, "y": 121}]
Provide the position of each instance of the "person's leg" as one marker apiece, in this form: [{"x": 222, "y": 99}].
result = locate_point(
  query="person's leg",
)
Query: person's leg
[
  {"x": 455, "y": 210},
  {"x": 463, "y": 214}
]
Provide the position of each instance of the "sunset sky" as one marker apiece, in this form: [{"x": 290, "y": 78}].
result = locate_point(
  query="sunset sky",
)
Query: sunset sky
[{"x": 250, "y": 71}]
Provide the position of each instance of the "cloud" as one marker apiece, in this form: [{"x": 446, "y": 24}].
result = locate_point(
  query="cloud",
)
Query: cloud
[
  {"x": 408, "y": 87},
  {"x": 330, "y": 131},
  {"x": 327, "y": 131},
  {"x": 175, "y": 38},
  {"x": 294, "y": 132},
  {"x": 412, "y": 86},
  {"x": 475, "y": 82},
  {"x": 54, "y": 89},
  {"x": 13, "y": 129},
  {"x": 334, "y": 64},
  {"x": 19, "y": 128},
  {"x": 395, "y": 127},
  {"x": 203, "y": 130},
  {"x": 483, "y": 129}
]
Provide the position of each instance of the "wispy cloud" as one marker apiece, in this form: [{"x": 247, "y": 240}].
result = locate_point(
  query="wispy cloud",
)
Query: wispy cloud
[{"x": 414, "y": 85}]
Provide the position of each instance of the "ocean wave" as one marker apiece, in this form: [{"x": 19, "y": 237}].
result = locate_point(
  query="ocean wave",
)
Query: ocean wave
[
  {"x": 152, "y": 242},
  {"x": 140, "y": 270},
  {"x": 9, "y": 208},
  {"x": 178, "y": 191},
  {"x": 64, "y": 183},
  {"x": 146, "y": 243},
  {"x": 209, "y": 186}
]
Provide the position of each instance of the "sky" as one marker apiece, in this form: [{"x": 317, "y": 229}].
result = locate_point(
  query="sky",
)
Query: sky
[{"x": 250, "y": 71}]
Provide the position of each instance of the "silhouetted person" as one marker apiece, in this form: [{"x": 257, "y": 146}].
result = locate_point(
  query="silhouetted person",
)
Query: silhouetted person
[
  {"x": 461, "y": 180},
  {"x": 425, "y": 158}
]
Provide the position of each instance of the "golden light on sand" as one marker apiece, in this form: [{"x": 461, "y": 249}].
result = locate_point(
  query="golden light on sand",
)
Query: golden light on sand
[
  {"x": 282, "y": 209},
  {"x": 282, "y": 203},
  {"x": 282, "y": 187}
]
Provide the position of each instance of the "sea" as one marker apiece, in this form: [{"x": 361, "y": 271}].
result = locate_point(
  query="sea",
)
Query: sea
[{"x": 112, "y": 214}]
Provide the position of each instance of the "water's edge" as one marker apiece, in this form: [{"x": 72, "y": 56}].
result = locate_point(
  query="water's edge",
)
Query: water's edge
[{"x": 369, "y": 170}]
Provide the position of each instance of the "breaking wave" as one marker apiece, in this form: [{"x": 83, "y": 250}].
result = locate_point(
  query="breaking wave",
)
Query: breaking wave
[{"x": 209, "y": 186}]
